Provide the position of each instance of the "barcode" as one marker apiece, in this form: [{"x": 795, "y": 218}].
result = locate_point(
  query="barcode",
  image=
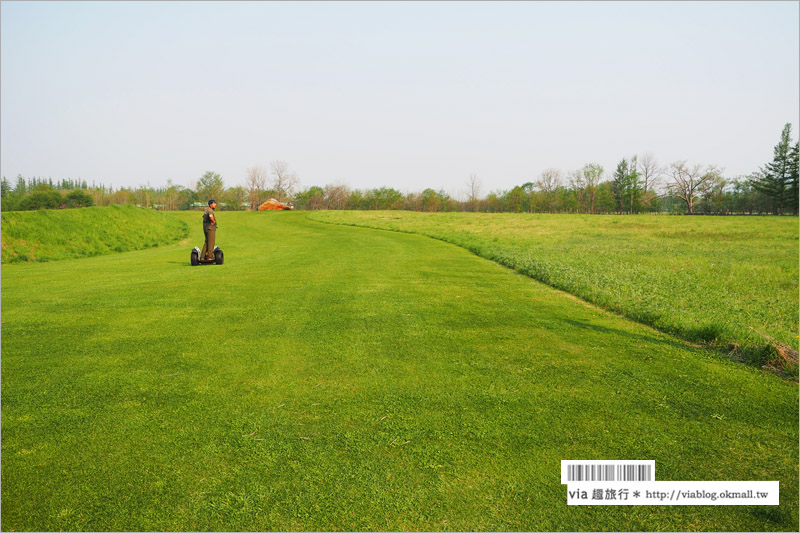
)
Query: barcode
[
  {"x": 604, "y": 470},
  {"x": 609, "y": 473}
]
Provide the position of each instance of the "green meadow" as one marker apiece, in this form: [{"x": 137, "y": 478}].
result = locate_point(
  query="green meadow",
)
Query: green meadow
[
  {"x": 330, "y": 377},
  {"x": 727, "y": 281},
  {"x": 50, "y": 234}
]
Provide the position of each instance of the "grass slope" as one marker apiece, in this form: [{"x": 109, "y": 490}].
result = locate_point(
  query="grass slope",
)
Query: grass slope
[
  {"x": 337, "y": 378},
  {"x": 49, "y": 235},
  {"x": 706, "y": 279}
]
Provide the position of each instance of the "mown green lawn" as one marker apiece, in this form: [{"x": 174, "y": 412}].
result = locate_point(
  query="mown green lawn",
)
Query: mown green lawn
[
  {"x": 337, "y": 378},
  {"x": 728, "y": 281}
]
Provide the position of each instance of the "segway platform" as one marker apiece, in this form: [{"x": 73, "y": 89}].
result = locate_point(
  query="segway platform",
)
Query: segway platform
[{"x": 196, "y": 259}]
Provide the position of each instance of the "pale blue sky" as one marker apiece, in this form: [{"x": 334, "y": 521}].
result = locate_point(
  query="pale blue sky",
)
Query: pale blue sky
[{"x": 408, "y": 95}]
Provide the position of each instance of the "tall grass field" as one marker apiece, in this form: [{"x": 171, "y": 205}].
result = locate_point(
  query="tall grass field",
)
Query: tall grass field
[
  {"x": 331, "y": 377},
  {"x": 49, "y": 235},
  {"x": 728, "y": 281}
]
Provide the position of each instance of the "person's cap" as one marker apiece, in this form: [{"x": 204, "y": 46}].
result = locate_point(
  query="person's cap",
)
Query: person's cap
[{"x": 212, "y": 201}]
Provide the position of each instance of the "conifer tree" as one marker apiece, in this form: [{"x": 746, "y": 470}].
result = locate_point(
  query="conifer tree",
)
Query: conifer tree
[
  {"x": 775, "y": 179},
  {"x": 794, "y": 174},
  {"x": 627, "y": 185}
]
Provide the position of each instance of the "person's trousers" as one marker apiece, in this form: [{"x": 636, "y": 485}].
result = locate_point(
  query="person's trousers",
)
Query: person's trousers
[{"x": 208, "y": 247}]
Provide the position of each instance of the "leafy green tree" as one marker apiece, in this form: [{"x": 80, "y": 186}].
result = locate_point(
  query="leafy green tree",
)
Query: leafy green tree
[
  {"x": 78, "y": 198},
  {"x": 234, "y": 197},
  {"x": 10, "y": 203},
  {"x": 356, "y": 199},
  {"x": 210, "y": 186},
  {"x": 42, "y": 199},
  {"x": 517, "y": 200},
  {"x": 739, "y": 196},
  {"x": 604, "y": 201},
  {"x": 493, "y": 202},
  {"x": 619, "y": 183},
  {"x": 10, "y": 198},
  {"x": 568, "y": 200},
  {"x": 778, "y": 179},
  {"x": 186, "y": 197},
  {"x": 434, "y": 200},
  {"x": 529, "y": 190},
  {"x": 592, "y": 176},
  {"x": 310, "y": 199},
  {"x": 383, "y": 198},
  {"x": 715, "y": 199}
]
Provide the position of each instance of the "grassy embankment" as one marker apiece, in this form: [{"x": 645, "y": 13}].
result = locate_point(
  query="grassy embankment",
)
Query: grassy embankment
[
  {"x": 728, "y": 281},
  {"x": 50, "y": 235},
  {"x": 330, "y": 377}
]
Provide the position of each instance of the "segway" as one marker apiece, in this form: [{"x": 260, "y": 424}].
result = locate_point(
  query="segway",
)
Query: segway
[{"x": 218, "y": 259}]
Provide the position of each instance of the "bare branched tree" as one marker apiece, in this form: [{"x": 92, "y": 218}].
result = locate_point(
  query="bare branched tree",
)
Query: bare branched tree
[
  {"x": 284, "y": 181},
  {"x": 594, "y": 176},
  {"x": 474, "y": 190},
  {"x": 577, "y": 182},
  {"x": 256, "y": 185},
  {"x": 171, "y": 195},
  {"x": 650, "y": 171},
  {"x": 336, "y": 196},
  {"x": 549, "y": 181},
  {"x": 687, "y": 183},
  {"x": 143, "y": 196}
]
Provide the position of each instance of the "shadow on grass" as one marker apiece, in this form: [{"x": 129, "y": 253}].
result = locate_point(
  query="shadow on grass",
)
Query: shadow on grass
[
  {"x": 760, "y": 356},
  {"x": 674, "y": 343}
]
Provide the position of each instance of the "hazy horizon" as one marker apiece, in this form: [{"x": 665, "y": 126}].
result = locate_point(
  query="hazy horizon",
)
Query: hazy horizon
[{"x": 404, "y": 95}]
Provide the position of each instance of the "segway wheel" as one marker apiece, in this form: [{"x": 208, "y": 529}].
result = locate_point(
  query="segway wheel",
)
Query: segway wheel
[
  {"x": 195, "y": 258},
  {"x": 219, "y": 257}
]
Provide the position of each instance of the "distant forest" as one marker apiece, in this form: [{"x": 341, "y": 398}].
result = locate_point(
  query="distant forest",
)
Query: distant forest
[{"x": 639, "y": 184}]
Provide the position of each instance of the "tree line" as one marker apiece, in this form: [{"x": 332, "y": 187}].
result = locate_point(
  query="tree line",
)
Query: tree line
[
  {"x": 38, "y": 193},
  {"x": 638, "y": 184}
]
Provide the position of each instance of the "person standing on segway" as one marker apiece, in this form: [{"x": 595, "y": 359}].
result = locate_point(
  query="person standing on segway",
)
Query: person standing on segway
[{"x": 210, "y": 230}]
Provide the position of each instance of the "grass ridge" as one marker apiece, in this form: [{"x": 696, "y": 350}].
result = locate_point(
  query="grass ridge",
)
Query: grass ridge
[{"x": 52, "y": 235}]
